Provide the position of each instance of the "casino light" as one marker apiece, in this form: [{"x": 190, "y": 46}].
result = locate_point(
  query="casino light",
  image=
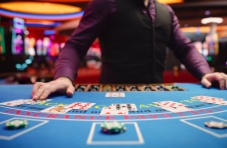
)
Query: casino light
[
  {"x": 39, "y": 7},
  {"x": 41, "y": 16},
  {"x": 40, "y": 11},
  {"x": 42, "y": 24},
  {"x": 49, "y": 32},
  {"x": 18, "y": 66},
  {"x": 207, "y": 12},
  {"x": 208, "y": 20},
  {"x": 171, "y": 1},
  {"x": 2, "y": 41},
  {"x": 28, "y": 61},
  {"x": 66, "y": 0},
  {"x": 25, "y": 64},
  {"x": 209, "y": 58}
]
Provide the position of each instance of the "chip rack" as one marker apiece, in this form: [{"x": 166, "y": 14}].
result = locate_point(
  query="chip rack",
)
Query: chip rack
[{"x": 126, "y": 87}]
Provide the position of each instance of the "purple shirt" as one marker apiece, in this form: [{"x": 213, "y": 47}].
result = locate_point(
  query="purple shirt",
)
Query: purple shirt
[{"x": 96, "y": 16}]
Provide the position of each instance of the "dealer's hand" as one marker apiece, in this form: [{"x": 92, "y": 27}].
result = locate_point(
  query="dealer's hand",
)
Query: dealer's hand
[
  {"x": 221, "y": 78},
  {"x": 41, "y": 90}
]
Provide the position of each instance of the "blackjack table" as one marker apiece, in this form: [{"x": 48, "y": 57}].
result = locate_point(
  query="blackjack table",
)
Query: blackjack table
[{"x": 147, "y": 127}]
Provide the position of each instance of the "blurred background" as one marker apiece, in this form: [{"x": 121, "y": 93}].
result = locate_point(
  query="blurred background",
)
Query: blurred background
[{"x": 32, "y": 33}]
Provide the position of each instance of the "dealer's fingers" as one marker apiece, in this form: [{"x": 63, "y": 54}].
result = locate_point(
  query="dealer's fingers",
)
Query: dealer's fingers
[
  {"x": 37, "y": 95},
  {"x": 44, "y": 91},
  {"x": 223, "y": 83},
  {"x": 221, "y": 78},
  {"x": 36, "y": 87},
  {"x": 70, "y": 90},
  {"x": 206, "y": 83}
]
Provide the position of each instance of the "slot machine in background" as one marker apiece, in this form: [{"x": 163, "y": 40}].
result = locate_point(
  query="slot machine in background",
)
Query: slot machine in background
[
  {"x": 21, "y": 57},
  {"x": 2, "y": 41},
  {"x": 2, "y": 47},
  {"x": 18, "y": 36}
]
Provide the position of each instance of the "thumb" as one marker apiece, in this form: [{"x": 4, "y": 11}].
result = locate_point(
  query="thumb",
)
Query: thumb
[
  {"x": 70, "y": 91},
  {"x": 206, "y": 83}
]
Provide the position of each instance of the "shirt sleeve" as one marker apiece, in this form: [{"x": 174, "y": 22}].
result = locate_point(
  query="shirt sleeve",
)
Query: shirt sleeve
[
  {"x": 185, "y": 51},
  {"x": 91, "y": 25}
]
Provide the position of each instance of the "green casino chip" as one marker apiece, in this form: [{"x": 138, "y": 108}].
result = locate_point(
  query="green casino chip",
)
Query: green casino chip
[
  {"x": 175, "y": 88},
  {"x": 13, "y": 124},
  {"x": 113, "y": 127}
]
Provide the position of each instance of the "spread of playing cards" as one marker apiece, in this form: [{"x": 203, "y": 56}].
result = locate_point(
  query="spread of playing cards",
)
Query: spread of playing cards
[{"x": 108, "y": 115}]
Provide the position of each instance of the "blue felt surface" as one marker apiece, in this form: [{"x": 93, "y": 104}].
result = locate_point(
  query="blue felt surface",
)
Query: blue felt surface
[{"x": 146, "y": 128}]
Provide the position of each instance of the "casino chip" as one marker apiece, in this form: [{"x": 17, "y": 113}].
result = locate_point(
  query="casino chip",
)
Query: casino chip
[
  {"x": 147, "y": 88},
  {"x": 107, "y": 88},
  {"x": 120, "y": 88},
  {"x": 81, "y": 88},
  {"x": 113, "y": 127},
  {"x": 175, "y": 88},
  {"x": 94, "y": 88},
  {"x": 160, "y": 88},
  {"x": 133, "y": 88},
  {"x": 15, "y": 124},
  {"x": 215, "y": 124}
]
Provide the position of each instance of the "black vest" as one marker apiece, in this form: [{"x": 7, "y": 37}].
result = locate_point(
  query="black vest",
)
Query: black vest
[{"x": 134, "y": 48}]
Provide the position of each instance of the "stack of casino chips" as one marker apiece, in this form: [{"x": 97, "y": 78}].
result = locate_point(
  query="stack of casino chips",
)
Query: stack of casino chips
[
  {"x": 94, "y": 88},
  {"x": 107, "y": 88},
  {"x": 81, "y": 88},
  {"x": 174, "y": 88},
  {"x": 215, "y": 124},
  {"x": 133, "y": 88},
  {"x": 146, "y": 88},
  {"x": 120, "y": 88},
  {"x": 15, "y": 124},
  {"x": 113, "y": 127}
]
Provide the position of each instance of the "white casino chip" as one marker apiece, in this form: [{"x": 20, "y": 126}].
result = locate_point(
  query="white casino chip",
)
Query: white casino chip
[{"x": 215, "y": 124}]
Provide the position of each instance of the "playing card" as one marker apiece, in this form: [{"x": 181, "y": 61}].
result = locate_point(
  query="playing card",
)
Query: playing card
[
  {"x": 58, "y": 109},
  {"x": 127, "y": 107},
  {"x": 207, "y": 98},
  {"x": 13, "y": 103},
  {"x": 221, "y": 103},
  {"x": 169, "y": 104},
  {"x": 212, "y": 100},
  {"x": 110, "y": 111},
  {"x": 172, "y": 106},
  {"x": 119, "y": 112},
  {"x": 176, "y": 109},
  {"x": 32, "y": 102},
  {"x": 115, "y": 94},
  {"x": 106, "y": 111},
  {"x": 80, "y": 105}
]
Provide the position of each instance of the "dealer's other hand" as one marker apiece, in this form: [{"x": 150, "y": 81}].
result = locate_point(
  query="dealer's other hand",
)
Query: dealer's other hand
[
  {"x": 221, "y": 78},
  {"x": 63, "y": 85}
]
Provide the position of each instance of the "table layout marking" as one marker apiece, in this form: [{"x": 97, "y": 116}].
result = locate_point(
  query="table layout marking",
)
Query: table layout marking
[
  {"x": 204, "y": 129},
  {"x": 22, "y": 132}
]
